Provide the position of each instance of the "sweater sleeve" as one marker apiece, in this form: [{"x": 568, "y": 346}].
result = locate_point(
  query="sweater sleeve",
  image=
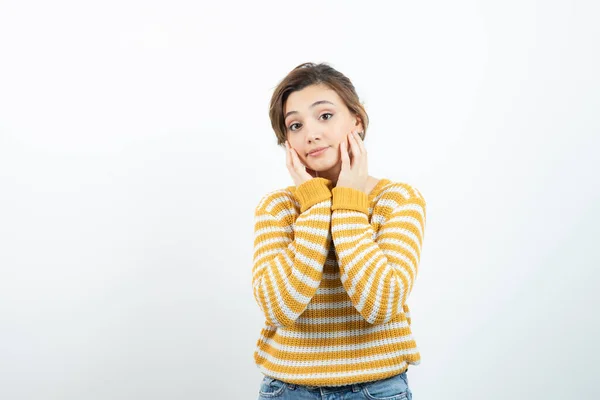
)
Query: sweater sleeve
[
  {"x": 378, "y": 270},
  {"x": 289, "y": 255}
]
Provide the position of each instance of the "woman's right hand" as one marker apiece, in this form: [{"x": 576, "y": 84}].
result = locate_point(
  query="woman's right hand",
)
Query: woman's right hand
[{"x": 298, "y": 171}]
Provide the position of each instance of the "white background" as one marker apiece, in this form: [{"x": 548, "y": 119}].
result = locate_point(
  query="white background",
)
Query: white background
[{"x": 135, "y": 143}]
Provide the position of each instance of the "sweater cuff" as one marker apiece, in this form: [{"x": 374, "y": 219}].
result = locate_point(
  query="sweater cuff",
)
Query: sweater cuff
[
  {"x": 345, "y": 198},
  {"x": 313, "y": 191}
]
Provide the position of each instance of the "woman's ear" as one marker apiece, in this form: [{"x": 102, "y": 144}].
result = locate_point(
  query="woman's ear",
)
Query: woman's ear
[{"x": 358, "y": 125}]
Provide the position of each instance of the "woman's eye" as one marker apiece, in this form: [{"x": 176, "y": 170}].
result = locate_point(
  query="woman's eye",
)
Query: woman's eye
[{"x": 327, "y": 115}]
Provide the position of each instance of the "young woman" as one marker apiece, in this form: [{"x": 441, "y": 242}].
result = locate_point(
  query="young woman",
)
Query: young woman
[{"x": 335, "y": 255}]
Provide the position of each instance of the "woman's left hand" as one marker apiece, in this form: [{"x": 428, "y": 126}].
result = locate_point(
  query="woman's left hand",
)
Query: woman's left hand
[{"x": 354, "y": 173}]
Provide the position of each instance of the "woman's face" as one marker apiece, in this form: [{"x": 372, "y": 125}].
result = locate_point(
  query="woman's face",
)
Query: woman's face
[{"x": 317, "y": 117}]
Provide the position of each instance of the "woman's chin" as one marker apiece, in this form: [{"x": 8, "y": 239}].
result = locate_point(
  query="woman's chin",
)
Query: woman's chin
[{"x": 322, "y": 166}]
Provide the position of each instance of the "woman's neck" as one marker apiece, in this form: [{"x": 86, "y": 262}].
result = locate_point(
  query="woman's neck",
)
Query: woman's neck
[{"x": 331, "y": 174}]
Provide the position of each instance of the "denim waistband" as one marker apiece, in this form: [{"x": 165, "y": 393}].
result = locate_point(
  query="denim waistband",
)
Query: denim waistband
[{"x": 355, "y": 387}]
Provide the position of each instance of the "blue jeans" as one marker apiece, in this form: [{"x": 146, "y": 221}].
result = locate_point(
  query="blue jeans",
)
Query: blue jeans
[{"x": 394, "y": 388}]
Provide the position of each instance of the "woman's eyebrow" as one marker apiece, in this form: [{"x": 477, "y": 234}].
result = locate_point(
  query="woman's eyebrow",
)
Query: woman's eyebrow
[{"x": 316, "y": 103}]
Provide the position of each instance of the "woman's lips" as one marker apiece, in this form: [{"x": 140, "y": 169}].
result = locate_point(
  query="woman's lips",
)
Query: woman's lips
[{"x": 318, "y": 153}]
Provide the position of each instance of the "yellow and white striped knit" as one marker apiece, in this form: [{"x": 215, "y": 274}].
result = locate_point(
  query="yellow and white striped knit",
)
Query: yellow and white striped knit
[{"x": 332, "y": 269}]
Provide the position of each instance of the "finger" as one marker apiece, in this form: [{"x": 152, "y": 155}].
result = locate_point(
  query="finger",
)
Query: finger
[
  {"x": 297, "y": 161},
  {"x": 361, "y": 143},
  {"x": 344, "y": 154},
  {"x": 354, "y": 144},
  {"x": 288, "y": 157},
  {"x": 356, "y": 155},
  {"x": 363, "y": 151}
]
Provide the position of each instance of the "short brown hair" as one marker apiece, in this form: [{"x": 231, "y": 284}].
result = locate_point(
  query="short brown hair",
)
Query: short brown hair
[{"x": 307, "y": 74}]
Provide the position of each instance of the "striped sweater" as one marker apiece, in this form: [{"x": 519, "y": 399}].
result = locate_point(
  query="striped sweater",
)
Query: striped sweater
[{"x": 332, "y": 270}]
